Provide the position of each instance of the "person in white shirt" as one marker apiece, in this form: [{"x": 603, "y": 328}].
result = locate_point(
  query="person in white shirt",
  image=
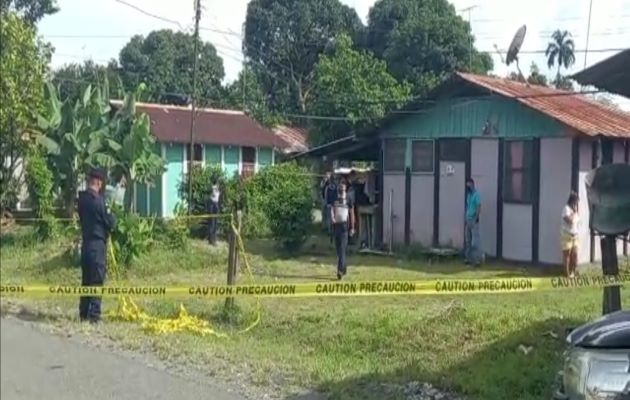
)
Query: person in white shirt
[{"x": 569, "y": 234}]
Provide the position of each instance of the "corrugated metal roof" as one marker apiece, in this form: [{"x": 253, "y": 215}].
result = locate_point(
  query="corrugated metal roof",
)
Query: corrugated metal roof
[
  {"x": 222, "y": 127},
  {"x": 295, "y": 137},
  {"x": 611, "y": 74},
  {"x": 573, "y": 110}
]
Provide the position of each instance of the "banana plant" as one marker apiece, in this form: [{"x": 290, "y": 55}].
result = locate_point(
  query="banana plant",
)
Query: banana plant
[
  {"x": 75, "y": 135},
  {"x": 133, "y": 149}
]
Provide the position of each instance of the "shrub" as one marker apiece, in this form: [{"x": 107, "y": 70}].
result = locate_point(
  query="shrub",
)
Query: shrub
[
  {"x": 236, "y": 193},
  {"x": 132, "y": 236},
  {"x": 39, "y": 179},
  {"x": 173, "y": 233},
  {"x": 202, "y": 179},
  {"x": 287, "y": 203}
]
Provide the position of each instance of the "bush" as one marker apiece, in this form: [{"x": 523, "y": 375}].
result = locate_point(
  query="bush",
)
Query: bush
[
  {"x": 173, "y": 233},
  {"x": 39, "y": 179},
  {"x": 132, "y": 236},
  {"x": 287, "y": 202},
  {"x": 236, "y": 193},
  {"x": 202, "y": 179}
]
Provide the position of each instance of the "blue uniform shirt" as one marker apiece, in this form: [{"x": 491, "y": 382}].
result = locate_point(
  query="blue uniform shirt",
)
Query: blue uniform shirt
[{"x": 473, "y": 200}]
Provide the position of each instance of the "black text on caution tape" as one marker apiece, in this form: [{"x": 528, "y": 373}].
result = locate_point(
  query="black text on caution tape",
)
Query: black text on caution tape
[
  {"x": 501, "y": 285},
  {"x": 107, "y": 291}
]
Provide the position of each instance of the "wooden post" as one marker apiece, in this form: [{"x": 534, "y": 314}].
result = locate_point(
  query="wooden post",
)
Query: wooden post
[
  {"x": 610, "y": 266},
  {"x": 233, "y": 256}
]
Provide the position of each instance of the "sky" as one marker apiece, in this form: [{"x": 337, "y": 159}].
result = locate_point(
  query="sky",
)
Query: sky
[{"x": 98, "y": 29}]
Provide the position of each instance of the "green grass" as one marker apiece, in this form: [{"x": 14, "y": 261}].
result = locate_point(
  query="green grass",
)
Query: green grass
[{"x": 350, "y": 348}]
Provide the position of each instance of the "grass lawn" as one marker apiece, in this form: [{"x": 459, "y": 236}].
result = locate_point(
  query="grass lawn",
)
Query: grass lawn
[{"x": 349, "y": 348}]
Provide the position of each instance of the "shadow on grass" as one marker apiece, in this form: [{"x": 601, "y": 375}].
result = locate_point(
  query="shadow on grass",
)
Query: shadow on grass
[
  {"x": 522, "y": 366},
  {"x": 64, "y": 260},
  {"x": 16, "y": 237},
  {"x": 318, "y": 250}
]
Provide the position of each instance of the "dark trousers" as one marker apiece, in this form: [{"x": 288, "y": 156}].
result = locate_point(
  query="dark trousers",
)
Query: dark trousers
[
  {"x": 340, "y": 232},
  {"x": 93, "y": 272},
  {"x": 213, "y": 223}
]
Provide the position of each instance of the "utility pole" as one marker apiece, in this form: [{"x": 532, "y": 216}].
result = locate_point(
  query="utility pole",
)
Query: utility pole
[
  {"x": 588, "y": 31},
  {"x": 191, "y": 150},
  {"x": 470, "y": 55}
]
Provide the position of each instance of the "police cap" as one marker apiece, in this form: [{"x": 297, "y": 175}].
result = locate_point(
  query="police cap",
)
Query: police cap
[{"x": 98, "y": 173}]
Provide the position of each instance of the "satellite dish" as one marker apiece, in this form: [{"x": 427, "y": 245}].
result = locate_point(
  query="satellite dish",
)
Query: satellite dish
[
  {"x": 608, "y": 191},
  {"x": 515, "y": 47}
]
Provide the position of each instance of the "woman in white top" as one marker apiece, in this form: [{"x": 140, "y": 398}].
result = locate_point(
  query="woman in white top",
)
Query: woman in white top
[{"x": 569, "y": 234}]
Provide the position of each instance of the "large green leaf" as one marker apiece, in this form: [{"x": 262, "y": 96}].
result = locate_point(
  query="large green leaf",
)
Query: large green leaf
[
  {"x": 113, "y": 145},
  {"x": 49, "y": 144},
  {"x": 94, "y": 145},
  {"x": 87, "y": 95}
]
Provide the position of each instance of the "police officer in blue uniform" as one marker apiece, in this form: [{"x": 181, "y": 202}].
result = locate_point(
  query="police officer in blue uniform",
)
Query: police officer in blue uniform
[{"x": 96, "y": 224}]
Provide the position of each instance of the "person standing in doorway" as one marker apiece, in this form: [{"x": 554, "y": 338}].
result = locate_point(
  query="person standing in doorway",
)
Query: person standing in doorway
[
  {"x": 213, "y": 209},
  {"x": 342, "y": 217},
  {"x": 329, "y": 194},
  {"x": 569, "y": 234},
  {"x": 472, "y": 245},
  {"x": 96, "y": 224}
]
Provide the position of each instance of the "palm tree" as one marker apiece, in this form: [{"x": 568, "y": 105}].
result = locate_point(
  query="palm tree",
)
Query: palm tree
[{"x": 561, "y": 50}]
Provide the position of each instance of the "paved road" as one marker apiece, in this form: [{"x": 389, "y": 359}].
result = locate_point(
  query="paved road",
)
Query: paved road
[{"x": 35, "y": 365}]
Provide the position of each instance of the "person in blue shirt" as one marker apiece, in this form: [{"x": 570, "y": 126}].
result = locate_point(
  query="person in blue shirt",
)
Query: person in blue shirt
[{"x": 472, "y": 246}]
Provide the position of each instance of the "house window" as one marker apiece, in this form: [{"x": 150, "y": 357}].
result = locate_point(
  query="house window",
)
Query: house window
[
  {"x": 394, "y": 155},
  {"x": 422, "y": 156},
  {"x": 249, "y": 155},
  {"x": 518, "y": 179},
  {"x": 197, "y": 155},
  {"x": 453, "y": 150}
]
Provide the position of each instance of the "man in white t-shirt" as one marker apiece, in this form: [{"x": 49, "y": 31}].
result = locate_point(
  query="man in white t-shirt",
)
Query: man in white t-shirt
[{"x": 569, "y": 234}]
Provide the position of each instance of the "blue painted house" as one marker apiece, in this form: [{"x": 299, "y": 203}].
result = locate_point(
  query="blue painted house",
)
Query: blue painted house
[{"x": 230, "y": 139}]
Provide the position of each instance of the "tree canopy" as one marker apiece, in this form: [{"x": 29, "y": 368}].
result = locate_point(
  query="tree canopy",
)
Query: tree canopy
[
  {"x": 30, "y": 11},
  {"x": 561, "y": 50},
  {"x": 422, "y": 41},
  {"x": 164, "y": 62},
  {"x": 353, "y": 84},
  {"x": 23, "y": 65},
  {"x": 73, "y": 79},
  {"x": 283, "y": 42},
  {"x": 247, "y": 94}
]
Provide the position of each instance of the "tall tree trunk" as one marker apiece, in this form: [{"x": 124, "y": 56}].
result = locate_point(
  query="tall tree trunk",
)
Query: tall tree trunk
[{"x": 69, "y": 199}]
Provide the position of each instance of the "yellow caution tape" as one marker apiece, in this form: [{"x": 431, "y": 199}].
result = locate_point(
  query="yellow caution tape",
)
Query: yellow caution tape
[
  {"x": 372, "y": 288},
  {"x": 187, "y": 217}
]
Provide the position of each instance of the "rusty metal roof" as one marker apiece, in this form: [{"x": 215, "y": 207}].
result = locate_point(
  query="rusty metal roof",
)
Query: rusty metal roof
[
  {"x": 573, "y": 110},
  {"x": 296, "y": 138},
  {"x": 212, "y": 126}
]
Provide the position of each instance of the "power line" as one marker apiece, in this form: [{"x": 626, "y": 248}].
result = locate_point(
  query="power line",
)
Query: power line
[
  {"x": 235, "y": 49},
  {"x": 149, "y": 14}
]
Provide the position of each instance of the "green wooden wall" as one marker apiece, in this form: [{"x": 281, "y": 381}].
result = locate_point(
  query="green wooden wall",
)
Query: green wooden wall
[
  {"x": 466, "y": 118},
  {"x": 174, "y": 174},
  {"x": 231, "y": 158},
  {"x": 213, "y": 155},
  {"x": 265, "y": 157}
]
